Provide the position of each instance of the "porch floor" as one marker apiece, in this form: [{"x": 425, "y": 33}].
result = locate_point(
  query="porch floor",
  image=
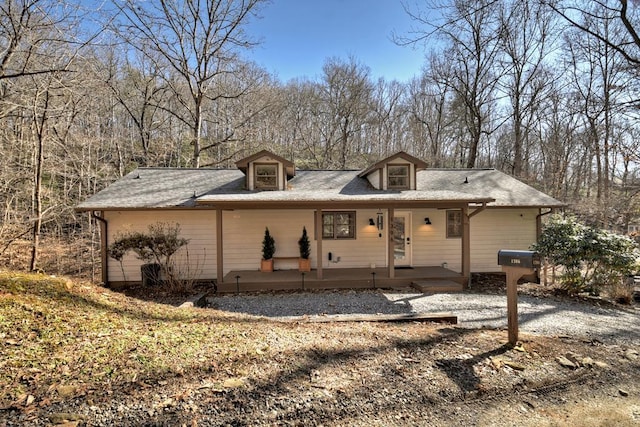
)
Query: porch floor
[{"x": 343, "y": 278}]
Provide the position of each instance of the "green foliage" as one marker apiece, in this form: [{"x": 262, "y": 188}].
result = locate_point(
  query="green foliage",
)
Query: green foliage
[
  {"x": 592, "y": 258},
  {"x": 157, "y": 245},
  {"x": 268, "y": 245},
  {"x": 304, "y": 245}
]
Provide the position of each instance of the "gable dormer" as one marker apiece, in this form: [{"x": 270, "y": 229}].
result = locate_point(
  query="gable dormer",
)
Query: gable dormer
[
  {"x": 266, "y": 171},
  {"x": 397, "y": 172}
]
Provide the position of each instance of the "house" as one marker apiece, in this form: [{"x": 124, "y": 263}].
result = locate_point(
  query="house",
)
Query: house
[{"x": 395, "y": 215}]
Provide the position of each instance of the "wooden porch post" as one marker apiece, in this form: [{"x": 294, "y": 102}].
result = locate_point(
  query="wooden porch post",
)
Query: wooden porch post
[
  {"x": 466, "y": 243},
  {"x": 219, "y": 246},
  {"x": 104, "y": 247},
  {"x": 390, "y": 245},
  {"x": 318, "y": 233}
]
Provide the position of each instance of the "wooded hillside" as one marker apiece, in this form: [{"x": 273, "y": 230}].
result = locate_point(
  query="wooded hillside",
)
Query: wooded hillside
[{"x": 544, "y": 90}]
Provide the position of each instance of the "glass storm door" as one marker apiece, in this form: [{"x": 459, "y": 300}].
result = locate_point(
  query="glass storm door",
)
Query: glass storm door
[{"x": 402, "y": 239}]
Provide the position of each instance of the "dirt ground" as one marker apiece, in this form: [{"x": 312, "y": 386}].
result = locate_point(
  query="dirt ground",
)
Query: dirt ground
[
  {"x": 420, "y": 374},
  {"x": 358, "y": 374}
]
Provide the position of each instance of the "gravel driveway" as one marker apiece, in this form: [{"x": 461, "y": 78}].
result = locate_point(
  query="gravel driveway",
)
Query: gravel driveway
[{"x": 541, "y": 315}]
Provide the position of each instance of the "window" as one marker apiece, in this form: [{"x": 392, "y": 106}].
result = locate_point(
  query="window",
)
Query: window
[
  {"x": 266, "y": 177},
  {"x": 398, "y": 176},
  {"x": 339, "y": 225},
  {"x": 454, "y": 223}
]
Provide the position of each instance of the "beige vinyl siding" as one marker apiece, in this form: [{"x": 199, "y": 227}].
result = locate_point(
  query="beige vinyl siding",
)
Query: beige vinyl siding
[
  {"x": 195, "y": 261},
  {"x": 244, "y": 231},
  {"x": 495, "y": 229},
  {"x": 363, "y": 251},
  {"x": 430, "y": 246},
  {"x": 374, "y": 179}
]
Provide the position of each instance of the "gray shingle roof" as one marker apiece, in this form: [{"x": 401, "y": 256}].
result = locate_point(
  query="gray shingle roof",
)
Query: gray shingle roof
[
  {"x": 505, "y": 189},
  {"x": 149, "y": 188}
]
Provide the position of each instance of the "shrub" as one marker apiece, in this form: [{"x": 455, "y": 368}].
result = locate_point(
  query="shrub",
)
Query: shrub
[
  {"x": 592, "y": 258},
  {"x": 304, "y": 245},
  {"x": 268, "y": 245},
  {"x": 158, "y": 245}
]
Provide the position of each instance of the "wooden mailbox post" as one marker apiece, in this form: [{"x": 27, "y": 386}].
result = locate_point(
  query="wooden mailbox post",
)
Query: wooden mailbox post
[{"x": 516, "y": 264}]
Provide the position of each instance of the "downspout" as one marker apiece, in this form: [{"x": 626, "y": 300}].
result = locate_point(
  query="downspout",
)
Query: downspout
[
  {"x": 539, "y": 221},
  {"x": 103, "y": 247}
]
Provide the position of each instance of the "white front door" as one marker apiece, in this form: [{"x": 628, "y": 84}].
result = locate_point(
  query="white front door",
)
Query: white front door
[{"x": 402, "y": 239}]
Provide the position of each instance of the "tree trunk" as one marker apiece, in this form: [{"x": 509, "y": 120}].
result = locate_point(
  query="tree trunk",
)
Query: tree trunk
[{"x": 37, "y": 182}]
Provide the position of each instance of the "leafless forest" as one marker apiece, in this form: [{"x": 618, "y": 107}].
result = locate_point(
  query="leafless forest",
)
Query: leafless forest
[{"x": 89, "y": 90}]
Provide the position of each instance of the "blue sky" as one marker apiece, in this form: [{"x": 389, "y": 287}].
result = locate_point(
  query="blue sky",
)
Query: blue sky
[{"x": 299, "y": 35}]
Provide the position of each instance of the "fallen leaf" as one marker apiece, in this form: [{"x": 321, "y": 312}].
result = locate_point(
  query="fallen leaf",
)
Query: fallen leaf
[
  {"x": 64, "y": 418},
  {"x": 563, "y": 361},
  {"x": 67, "y": 391},
  {"x": 514, "y": 365},
  {"x": 497, "y": 362},
  {"x": 520, "y": 348},
  {"x": 233, "y": 383}
]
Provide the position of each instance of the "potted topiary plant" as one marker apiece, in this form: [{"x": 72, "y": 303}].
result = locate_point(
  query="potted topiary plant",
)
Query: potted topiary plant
[
  {"x": 304, "y": 262},
  {"x": 268, "y": 249}
]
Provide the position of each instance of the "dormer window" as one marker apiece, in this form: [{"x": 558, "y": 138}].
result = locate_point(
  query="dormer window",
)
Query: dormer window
[
  {"x": 266, "y": 176},
  {"x": 397, "y": 172},
  {"x": 266, "y": 171},
  {"x": 398, "y": 177}
]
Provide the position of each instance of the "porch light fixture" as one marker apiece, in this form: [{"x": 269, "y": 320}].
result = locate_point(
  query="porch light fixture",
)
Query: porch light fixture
[
  {"x": 380, "y": 221},
  {"x": 427, "y": 221},
  {"x": 371, "y": 222}
]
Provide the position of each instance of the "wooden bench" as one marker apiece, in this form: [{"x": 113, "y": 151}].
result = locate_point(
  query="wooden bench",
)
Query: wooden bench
[{"x": 284, "y": 258}]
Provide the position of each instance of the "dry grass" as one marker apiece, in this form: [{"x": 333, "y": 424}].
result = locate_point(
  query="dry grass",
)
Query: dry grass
[
  {"x": 57, "y": 331},
  {"x": 64, "y": 340},
  {"x": 72, "y": 257}
]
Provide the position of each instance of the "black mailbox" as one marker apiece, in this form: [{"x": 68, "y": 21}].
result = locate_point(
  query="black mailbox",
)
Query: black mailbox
[{"x": 523, "y": 259}]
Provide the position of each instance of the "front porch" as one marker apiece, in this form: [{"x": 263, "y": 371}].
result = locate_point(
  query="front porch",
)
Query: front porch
[{"x": 426, "y": 279}]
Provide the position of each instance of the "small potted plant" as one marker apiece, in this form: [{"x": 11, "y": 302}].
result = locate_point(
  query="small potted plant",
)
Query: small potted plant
[
  {"x": 304, "y": 262},
  {"x": 268, "y": 249}
]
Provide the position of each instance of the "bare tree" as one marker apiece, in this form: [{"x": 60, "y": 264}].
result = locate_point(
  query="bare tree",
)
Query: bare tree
[
  {"x": 136, "y": 85},
  {"x": 38, "y": 46},
  {"x": 599, "y": 79},
  {"x": 429, "y": 116},
  {"x": 199, "y": 40},
  {"x": 470, "y": 32},
  {"x": 386, "y": 133},
  {"x": 346, "y": 92},
  {"x": 527, "y": 37},
  {"x": 601, "y": 12}
]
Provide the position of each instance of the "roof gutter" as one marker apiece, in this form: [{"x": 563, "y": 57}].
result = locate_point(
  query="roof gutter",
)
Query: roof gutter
[
  {"x": 103, "y": 247},
  {"x": 352, "y": 204}
]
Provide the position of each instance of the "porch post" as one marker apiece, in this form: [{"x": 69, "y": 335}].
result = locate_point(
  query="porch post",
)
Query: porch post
[
  {"x": 318, "y": 233},
  {"x": 390, "y": 245},
  {"x": 466, "y": 243},
  {"x": 219, "y": 246}
]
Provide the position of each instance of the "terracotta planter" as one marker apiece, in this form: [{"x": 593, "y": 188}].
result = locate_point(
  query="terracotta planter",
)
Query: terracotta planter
[
  {"x": 304, "y": 264},
  {"x": 266, "y": 265}
]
